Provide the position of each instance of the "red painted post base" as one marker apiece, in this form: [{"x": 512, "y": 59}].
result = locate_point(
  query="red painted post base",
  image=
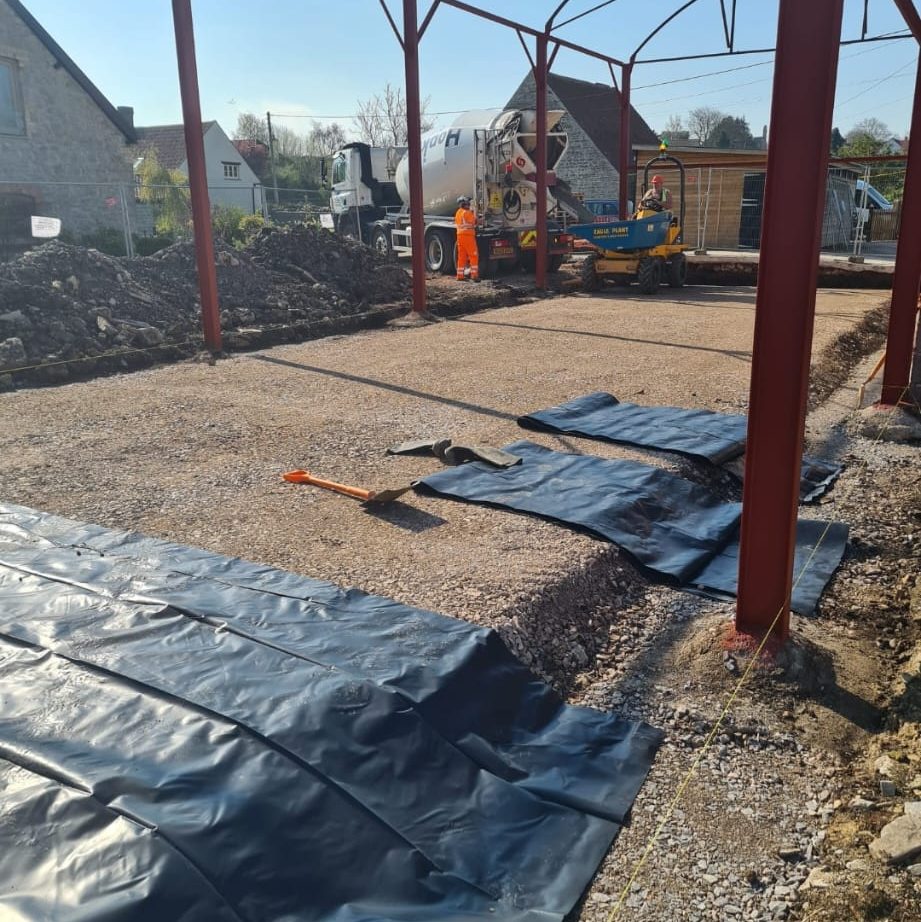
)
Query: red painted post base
[{"x": 746, "y": 645}]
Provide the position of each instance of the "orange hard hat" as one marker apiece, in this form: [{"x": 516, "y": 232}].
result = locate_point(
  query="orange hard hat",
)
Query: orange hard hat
[{"x": 657, "y": 178}]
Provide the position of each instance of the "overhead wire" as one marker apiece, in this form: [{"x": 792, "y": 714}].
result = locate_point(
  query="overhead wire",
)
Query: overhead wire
[
  {"x": 713, "y": 73},
  {"x": 885, "y": 79}
]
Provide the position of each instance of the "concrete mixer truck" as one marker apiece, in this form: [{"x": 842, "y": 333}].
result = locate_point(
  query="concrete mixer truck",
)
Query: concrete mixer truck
[{"x": 488, "y": 155}]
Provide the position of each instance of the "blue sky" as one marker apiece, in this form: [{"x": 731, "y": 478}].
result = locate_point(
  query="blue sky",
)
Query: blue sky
[{"x": 317, "y": 57}]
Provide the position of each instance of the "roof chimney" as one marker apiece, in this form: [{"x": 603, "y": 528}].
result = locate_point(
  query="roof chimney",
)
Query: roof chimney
[{"x": 127, "y": 114}]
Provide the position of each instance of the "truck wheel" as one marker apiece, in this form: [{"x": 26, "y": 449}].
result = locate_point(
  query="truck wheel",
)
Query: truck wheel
[
  {"x": 440, "y": 251},
  {"x": 678, "y": 270},
  {"x": 381, "y": 242},
  {"x": 649, "y": 275},
  {"x": 554, "y": 261},
  {"x": 590, "y": 278}
]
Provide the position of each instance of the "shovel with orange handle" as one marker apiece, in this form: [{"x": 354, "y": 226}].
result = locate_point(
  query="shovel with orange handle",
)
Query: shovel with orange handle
[{"x": 368, "y": 497}]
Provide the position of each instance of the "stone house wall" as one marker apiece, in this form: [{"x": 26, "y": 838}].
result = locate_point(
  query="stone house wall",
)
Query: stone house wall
[{"x": 71, "y": 159}]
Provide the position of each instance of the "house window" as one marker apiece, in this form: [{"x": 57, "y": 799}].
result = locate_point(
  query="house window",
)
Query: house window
[
  {"x": 231, "y": 170},
  {"x": 12, "y": 117}
]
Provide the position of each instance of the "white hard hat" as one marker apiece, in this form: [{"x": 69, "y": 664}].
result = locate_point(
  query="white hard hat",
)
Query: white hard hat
[{"x": 463, "y": 198}]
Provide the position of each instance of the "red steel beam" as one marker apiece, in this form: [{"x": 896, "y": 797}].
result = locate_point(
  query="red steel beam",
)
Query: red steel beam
[
  {"x": 907, "y": 277},
  {"x": 540, "y": 80},
  {"x": 414, "y": 150},
  {"x": 734, "y": 54},
  {"x": 581, "y": 49},
  {"x": 808, "y": 37},
  {"x": 527, "y": 30},
  {"x": 492, "y": 17},
  {"x": 911, "y": 17},
  {"x": 626, "y": 147},
  {"x": 198, "y": 181}
]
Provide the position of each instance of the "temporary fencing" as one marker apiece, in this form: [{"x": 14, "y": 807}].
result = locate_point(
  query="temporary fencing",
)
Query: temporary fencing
[
  {"x": 723, "y": 206},
  {"x": 119, "y": 218}
]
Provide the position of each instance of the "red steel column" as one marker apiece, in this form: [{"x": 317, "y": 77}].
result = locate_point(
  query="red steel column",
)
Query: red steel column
[
  {"x": 907, "y": 278},
  {"x": 540, "y": 79},
  {"x": 198, "y": 180},
  {"x": 911, "y": 17},
  {"x": 625, "y": 145},
  {"x": 414, "y": 150},
  {"x": 805, "y": 71}
]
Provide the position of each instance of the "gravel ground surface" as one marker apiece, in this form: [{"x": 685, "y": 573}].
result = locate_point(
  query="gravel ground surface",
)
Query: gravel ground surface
[
  {"x": 194, "y": 453},
  {"x": 777, "y": 816}
]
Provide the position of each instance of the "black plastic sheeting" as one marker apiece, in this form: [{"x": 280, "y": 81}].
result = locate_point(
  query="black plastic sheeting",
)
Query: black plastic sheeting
[
  {"x": 185, "y": 736},
  {"x": 714, "y": 437},
  {"x": 671, "y": 527},
  {"x": 820, "y": 546}
]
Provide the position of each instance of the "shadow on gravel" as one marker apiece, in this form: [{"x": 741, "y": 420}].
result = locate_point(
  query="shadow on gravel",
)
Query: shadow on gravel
[
  {"x": 696, "y": 294},
  {"x": 741, "y": 355},
  {"x": 386, "y": 386},
  {"x": 406, "y": 517}
]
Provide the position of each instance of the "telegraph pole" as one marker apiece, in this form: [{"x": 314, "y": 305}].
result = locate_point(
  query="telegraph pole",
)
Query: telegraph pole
[{"x": 268, "y": 119}]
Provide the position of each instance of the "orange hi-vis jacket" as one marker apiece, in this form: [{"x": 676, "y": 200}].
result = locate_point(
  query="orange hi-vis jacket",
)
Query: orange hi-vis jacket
[{"x": 465, "y": 220}]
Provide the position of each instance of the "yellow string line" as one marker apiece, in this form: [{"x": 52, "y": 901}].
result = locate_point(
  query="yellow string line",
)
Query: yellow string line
[
  {"x": 96, "y": 358},
  {"x": 176, "y": 345},
  {"x": 692, "y": 771}
]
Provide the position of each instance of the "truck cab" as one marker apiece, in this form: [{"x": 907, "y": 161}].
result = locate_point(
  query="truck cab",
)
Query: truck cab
[{"x": 362, "y": 187}]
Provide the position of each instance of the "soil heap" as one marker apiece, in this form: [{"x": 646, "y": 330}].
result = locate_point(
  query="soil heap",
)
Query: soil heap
[{"x": 60, "y": 302}]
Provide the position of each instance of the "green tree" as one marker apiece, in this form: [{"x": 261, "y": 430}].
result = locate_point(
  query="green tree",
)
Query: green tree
[
  {"x": 868, "y": 138},
  {"x": 226, "y": 221},
  {"x": 167, "y": 191},
  {"x": 837, "y": 141},
  {"x": 298, "y": 172},
  {"x": 731, "y": 132}
]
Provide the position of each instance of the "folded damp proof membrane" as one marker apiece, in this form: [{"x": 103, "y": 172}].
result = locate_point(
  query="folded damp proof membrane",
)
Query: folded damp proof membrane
[
  {"x": 819, "y": 549},
  {"x": 192, "y": 737},
  {"x": 715, "y": 437},
  {"x": 671, "y": 527}
]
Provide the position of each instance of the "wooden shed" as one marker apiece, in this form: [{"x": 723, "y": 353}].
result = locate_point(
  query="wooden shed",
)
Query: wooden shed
[{"x": 724, "y": 196}]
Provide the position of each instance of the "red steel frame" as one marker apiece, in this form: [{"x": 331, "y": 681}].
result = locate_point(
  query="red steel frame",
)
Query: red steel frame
[
  {"x": 804, "y": 82},
  {"x": 198, "y": 181},
  {"x": 906, "y": 281},
  {"x": 411, "y": 38},
  {"x": 807, "y": 56}
]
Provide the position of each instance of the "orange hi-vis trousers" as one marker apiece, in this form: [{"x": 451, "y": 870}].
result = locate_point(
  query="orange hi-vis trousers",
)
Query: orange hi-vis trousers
[
  {"x": 467, "y": 253},
  {"x": 465, "y": 222}
]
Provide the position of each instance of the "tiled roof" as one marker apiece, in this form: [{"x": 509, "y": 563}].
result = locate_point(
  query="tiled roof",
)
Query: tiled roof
[
  {"x": 596, "y": 107},
  {"x": 168, "y": 142}
]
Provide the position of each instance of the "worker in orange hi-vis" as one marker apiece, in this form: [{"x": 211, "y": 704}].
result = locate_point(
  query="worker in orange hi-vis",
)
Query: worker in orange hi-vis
[{"x": 465, "y": 221}]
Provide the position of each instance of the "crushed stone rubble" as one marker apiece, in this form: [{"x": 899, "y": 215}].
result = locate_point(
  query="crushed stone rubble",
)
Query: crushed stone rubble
[
  {"x": 61, "y": 302},
  {"x": 784, "y": 817}
]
